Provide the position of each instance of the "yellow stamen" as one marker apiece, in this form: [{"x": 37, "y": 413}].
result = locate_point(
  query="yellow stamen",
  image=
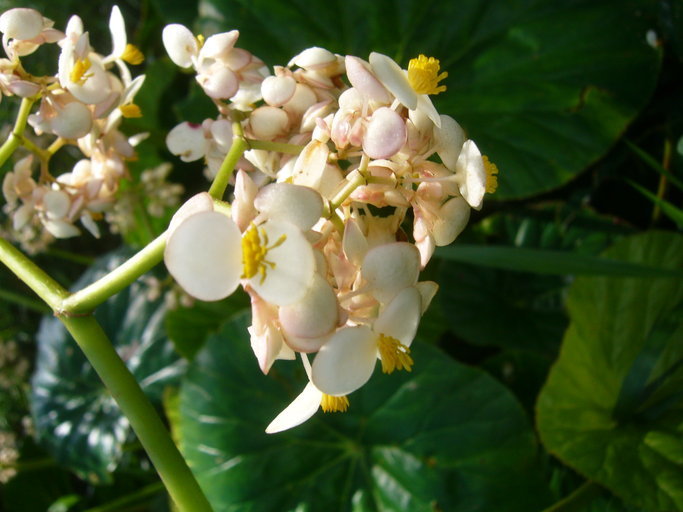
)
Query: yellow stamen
[
  {"x": 424, "y": 77},
  {"x": 200, "y": 40},
  {"x": 254, "y": 250},
  {"x": 491, "y": 178},
  {"x": 131, "y": 110},
  {"x": 132, "y": 55},
  {"x": 331, "y": 403},
  {"x": 394, "y": 354},
  {"x": 78, "y": 72}
]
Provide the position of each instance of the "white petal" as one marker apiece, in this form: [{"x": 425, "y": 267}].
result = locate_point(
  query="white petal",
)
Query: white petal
[
  {"x": 302, "y": 408},
  {"x": 302, "y": 206},
  {"x": 219, "y": 82},
  {"x": 472, "y": 174},
  {"x": 278, "y": 90},
  {"x": 452, "y": 219},
  {"x": 21, "y": 23},
  {"x": 401, "y": 317},
  {"x": 201, "y": 202},
  {"x": 243, "y": 210},
  {"x": 180, "y": 44},
  {"x": 187, "y": 141},
  {"x": 312, "y": 58},
  {"x": 218, "y": 46},
  {"x": 56, "y": 204},
  {"x": 267, "y": 123},
  {"x": 266, "y": 346},
  {"x": 287, "y": 281},
  {"x": 425, "y": 105},
  {"x": 313, "y": 316},
  {"x": 427, "y": 291},
  {"x": 73, "y": 121},
  {"x": 354, "y": 243},
  {"x": 117, "y": 27},
  {"x": 389, "y": 268},
  {"x": 204, "y": 254},
  {"x": 362, "y": 79},
  {"x": 449, "y": 140},
  {"x": 394, "y": 78},
  {"x": 61, "y": 229},
  {"x": 346, "y": 361},
  {"x": 385, "y": 134},
  {"x": 96, "y": 87}
]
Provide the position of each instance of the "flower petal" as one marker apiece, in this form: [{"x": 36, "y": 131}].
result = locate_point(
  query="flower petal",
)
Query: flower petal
[
  {"x": 394, "y": 78},
  {"x": 346, "y": 361},
  {"x": 314, "y": 315},
  {"x": 302, "y": 408},
  {"x": 204, "y": 254},
  {"x": 385, "y": 134},
  {"x": 302, "y": 206},
  {"x": 180, "y": 44},
  {"x": 401, "y": 317},
  {"x": 389, "y": 268}
]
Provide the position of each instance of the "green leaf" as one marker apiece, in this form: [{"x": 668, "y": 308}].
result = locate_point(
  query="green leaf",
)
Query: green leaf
[
  {"x": 444, "y": 437},
  {"x": 671, "y": 211},
  {"x": 543, "y": 101},
  {"x": 612, "y": 407},
  {"x": 75, "y": 415},
  {"x": 545, "y": 261}
]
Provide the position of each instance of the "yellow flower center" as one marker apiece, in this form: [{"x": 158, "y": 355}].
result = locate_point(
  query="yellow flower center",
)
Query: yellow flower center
[
  {"x": 491, "y": 172},
  {"x": 394, "y": 354},
  {"x": 132, "y": 55},
  {"x": 78, "y": 72},
  {"x": 424, "y": 77},
  {"x": 331, "y": 403},
  {"x": 254, "y": 250},
  {"x": 131, "y": 110}
]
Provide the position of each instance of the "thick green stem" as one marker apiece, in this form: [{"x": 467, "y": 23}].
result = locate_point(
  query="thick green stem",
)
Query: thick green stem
[
  {"x": 91, "y": 296},
  {"x": 150, "y": 430},
  {"x": 43, "y": 285},
  {"x": 14, "y": 139},
  {"x": 239, "y": 146}
]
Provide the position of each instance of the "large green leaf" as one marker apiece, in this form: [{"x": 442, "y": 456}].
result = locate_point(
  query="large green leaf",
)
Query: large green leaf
[
  {"x": 75, "y": 415},
  {"x": 543, "y": 87},
  {"x": 612, "y": 407},
  {"x": 445, "y": 437}
]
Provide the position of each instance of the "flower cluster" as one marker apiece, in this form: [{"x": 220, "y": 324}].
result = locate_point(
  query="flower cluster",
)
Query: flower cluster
[
  {"x": 82, "y": 105},
  {"x": 344, "y": 152}
]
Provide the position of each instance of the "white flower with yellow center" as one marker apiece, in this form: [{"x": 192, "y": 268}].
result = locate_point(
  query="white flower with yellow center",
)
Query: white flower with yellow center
[
  {"x": 413, "y": 87},
  {"x": 347, "y": 360},
  {"x": 209, "y": 257}
]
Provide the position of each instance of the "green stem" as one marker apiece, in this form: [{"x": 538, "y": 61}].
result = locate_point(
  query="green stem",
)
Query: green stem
[
  {"x": 150, "y": 430},
  {"x": 239, "y": 146},
  {"x": 661, "y": 188},
  {"x": 576, "y": 501},
  {"x": 87, "y": 299},
  {"x": 279, "y": 147},
  {"x": 356, "y": 181},
  {"x": 14, "y": 139},
  {"x": 43, "y": 285}
]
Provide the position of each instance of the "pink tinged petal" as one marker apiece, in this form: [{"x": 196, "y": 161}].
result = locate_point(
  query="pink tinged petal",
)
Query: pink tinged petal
[
  {"x": 426, "y": 247},
  {"x": 346, "y": 361},
  {"x": 22, "y": 216},
  {"x": 21, "y": 23},
  {"x": 201, "y": 202},
  {"x": 301, "y": 101},
  {"x": 238, "y": 59},
  {"x": 278, "y": 90},
  {"x": 221, "y": 131},
  {"x": 305, "y": 345},
  {"x": 266, "y": 346},
  {"x": 452, "y": 219},
  {"x": 394, "y": 78},
  {"x": 243, "y": 210},
  {"x": 74, "y": 26},
  {"x": 73, "y": 121},
  {"x": 267, "y": 123},
  {"x": 90, "y": 224},
  {"x": 315, "y": 315},
  {"x": 299, "y": 205},
  {"x": 351, "y": 99},
  {"x": 449, "y": 140},
  {"x": 219, "y": 82},
  {"x": 117, "y": 28},
  {"x": 23, "y": 88},
  {"x": 310, "y": 164},
  {"x": 354, "y": 243},
  {"x": 385, "y": 135},
  {"x": 427, "y": 291},
  {"x": 291, "y": 265},
  {"x": 187, "y": 141},
  {"x": 180, "y": 44},
  {"x": 362, "y": 79},
  {"x": 401, "y": 317},
  {"x": 389, "y": 268},
  {"x": 218, "y": 46},
  {"x": 471, "y": 174},
  {"x": 312, "y": 58},
  {"x": 204, "y": 255},
  {"x": 301, "y": 409}
]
